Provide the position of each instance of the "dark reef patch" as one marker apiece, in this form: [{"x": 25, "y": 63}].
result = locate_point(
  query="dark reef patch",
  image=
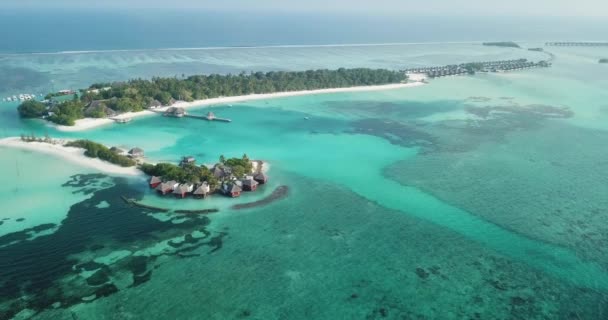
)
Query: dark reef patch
[
  {"x": 405, "y": 109},
  {"x": 279, "y": 193},
  {"x": 460, "y": 135},
  {"x": 24, "y": 234},
  {"x": 48, "y": 269},
  {"x": 398, "y": 133}
]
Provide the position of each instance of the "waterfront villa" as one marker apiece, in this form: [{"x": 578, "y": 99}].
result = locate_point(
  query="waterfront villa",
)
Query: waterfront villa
[
  {"x": 167, "y": 187},
  {"x": 136, "y": 153},
  {"x": 232, "y": 190},
  {"x": 118, "y": 150},
  {"x": 154, "y": 182},
  {"x": 98, "y": 107},
  {"x": 154, "y": 104},
  {"x": 250, "y": 184},
  {"x": 261, "y": 178},
  {"x": 187, "y": 160},
  {"x": 183, "y": 189},
  {"x": 202, "y": 191},
  {"x": 175, "y": 112}
]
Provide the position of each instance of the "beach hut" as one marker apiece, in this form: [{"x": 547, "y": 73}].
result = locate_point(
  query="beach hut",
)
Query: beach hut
[
  {"x": 155, "y": 181},
  {"x": 250, "y": 185},
  {"x": 136, "y": 153},
  {"x": 202, "y": 191},
  {"x": 261, "y": 178}
]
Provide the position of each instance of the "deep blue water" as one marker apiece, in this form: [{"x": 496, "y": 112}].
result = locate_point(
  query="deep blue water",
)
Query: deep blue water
[{"x": 53, "y": 30}]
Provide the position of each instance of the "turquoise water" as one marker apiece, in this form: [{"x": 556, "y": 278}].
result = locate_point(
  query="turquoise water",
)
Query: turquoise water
[{"x": 402, "y": 203}]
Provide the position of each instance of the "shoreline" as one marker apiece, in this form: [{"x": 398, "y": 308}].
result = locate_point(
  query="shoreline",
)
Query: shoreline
[
  {"x": 71, "y": 154},
  {"x": 90, "y": 123}
]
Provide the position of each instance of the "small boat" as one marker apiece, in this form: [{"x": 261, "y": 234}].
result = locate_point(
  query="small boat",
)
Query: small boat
[{"x": 306, "y": 118}]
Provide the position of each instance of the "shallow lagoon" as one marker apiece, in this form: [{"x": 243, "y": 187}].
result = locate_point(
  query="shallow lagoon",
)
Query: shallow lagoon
[{"x": 402, "y": 204}]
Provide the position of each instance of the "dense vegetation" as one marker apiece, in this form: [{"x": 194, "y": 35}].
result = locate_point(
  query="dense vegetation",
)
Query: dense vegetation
[
  {"x": 604, "y": 60},
  {"x": 32, "y": 109},
  {"x": 182, "y": 174},
  {"x": 96, "y": 150},
  {"x": 509, "y": 44},
  {"x": 197, "y": 174},
  {"x": 135, "y": 95}
]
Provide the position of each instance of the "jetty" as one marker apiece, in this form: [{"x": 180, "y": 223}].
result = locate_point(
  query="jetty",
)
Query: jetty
[
  {"x": 576, "y": 44},
  {"x": 473, "y": 67},
  {"x": 209, "y": 117}
]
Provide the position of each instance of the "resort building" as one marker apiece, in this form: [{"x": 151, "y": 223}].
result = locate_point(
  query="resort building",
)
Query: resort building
[
  {"x": 97, "y": 108},
  {"x": 202, "y": 191},
  {"x": 261, "y": 178},
  {"x": 187, "y": 160},
  {"x": 167, "y": 187},
  {"x": 183, "y": 189},
  {"x": 154, "y": 104},
  {"x": 154, "y": 182},
  {"x": 136, "y": 153},
  {"x": 232, "y": 190},
  {"x": 175, "y": 112},
  {"x": 249, "y": 185},
  {"x": 118, "y": 150}
]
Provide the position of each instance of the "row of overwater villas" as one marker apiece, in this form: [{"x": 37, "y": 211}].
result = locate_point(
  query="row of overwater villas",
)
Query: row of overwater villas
[{"x": 231, "y": 188}]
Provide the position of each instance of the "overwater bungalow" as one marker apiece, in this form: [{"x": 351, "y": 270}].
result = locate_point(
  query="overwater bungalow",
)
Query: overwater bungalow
[
  {"x": 232, "y": 190},
  {"x": 249, "y": 184},
  {"x": 261, "y": 178},
  {"x": 202, "y": 191},
  {"x": 136, "y": 153},
  {"x": 167, "y": 187},
  {"x": 154, "y": 182},
  {"x": 183, "y": 189}
]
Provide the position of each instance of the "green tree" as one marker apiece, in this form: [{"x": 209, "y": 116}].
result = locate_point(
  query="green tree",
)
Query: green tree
[{"x": 32, "y": 109}]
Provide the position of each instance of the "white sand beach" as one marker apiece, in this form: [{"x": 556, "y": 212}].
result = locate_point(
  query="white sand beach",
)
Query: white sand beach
[
  {"x": 89, "y": 123},
  {"x": 71, "y": 154}
]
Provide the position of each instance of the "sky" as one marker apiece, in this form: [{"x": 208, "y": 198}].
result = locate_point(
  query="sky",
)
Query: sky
[{"x": 597, "y": 8}]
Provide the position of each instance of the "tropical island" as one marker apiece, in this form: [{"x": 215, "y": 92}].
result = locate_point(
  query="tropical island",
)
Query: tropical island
[
  {"x": 509, "y": 44},
  {"x": 229, "y": 176},
  {"x": 604, "y": 60},
  {"x": 108, "y": 100}
]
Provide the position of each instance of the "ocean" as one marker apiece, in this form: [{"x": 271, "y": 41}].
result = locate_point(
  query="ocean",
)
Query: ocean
[{"x": 473, "y": 197}]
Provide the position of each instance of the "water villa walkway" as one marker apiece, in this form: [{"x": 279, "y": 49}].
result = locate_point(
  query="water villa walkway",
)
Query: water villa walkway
[
  {"x": 473, "y": 67},
  {"x": 576, "y": 44}
]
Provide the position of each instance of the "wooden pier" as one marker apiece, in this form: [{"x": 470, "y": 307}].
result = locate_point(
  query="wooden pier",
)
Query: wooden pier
[{"x": 209, "y": 117}]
